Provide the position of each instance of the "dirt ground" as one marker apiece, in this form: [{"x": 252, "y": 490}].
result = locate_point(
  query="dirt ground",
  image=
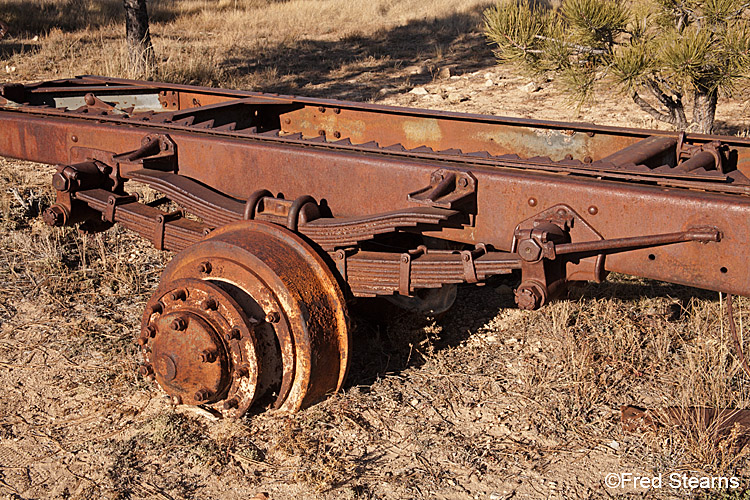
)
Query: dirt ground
[{"x": 486, "y": 402}]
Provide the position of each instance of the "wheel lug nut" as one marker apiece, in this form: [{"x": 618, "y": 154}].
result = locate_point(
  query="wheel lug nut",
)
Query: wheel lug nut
[
  {"x": 207, "y": 356},
  {"x": 179, "y": 324},
  {"x": 141, "y": 341},
  {"x": 156, "y": 308},
  {"x": 145, "y": 370},
  {"x": 273, "y": 317},
  {"x": 242, "y": 372},
  {"x": 150, "y": 331},
  {"x": 178, "y": 295},
  {"x": 210, "y": 304},
  {"x": 201, "y": 395},
  {"x": 235, "y": 334},
  {"x": 204, "y": 267},
  {"x": 231, "y": 403}
]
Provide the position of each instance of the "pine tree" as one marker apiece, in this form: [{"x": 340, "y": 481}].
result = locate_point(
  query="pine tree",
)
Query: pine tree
[{"x": 661, "y": 53}]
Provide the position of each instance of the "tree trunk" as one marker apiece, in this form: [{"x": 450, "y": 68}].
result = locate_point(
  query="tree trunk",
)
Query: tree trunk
[
  {"x": 140, "y": 50},
  {"x": 704, "y": 109}
]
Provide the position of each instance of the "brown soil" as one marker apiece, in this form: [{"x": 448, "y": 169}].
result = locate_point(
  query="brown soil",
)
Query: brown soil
[{"x": 487, "y": 402}]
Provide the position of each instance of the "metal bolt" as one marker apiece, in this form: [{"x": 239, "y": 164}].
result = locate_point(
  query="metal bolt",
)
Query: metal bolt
[
  {"x": 201, "y": 395},
  {"x": 241, "y": 372},
  {"x": 287, "y": 120},
  {"x": 337, "y": 110},
  {"x": 179, "y": 324},
  {"x": 532, "y": 202},
  {"x": 463, "y": 182},
  {"x": 54, "y": 216},
  {"x": 587, "y": 159},
  {"x": 150, "y": 331},
  {"x": 210, "y": 304},
  {"x": 404, "y": 259},
  {"x": 204, "y": 267},
  {"x": 234, "y": 334},
  {"x": 561, "y": 212},
  {"x": 337, "y": 134},
  {"x": 466, "y": 257},
  {"x": 74, "y": 138},
  {"x": 529, "y": 250},
  {"x": 60, "y": 182},
  {"x": 89, "y": 99},
  {"x": 231, "y": 403},
  {"x": 207, "y": 356},
  {"x": 141, "y": 341},
  {"x": 526, "y": 299},
  {"x": 176, "y": 400},
  {"x": 322, "y": 109},
  {"x": 568, "y": 157},
  {"x": 593, "y": 210},
  {"x": 321, "y": 132},
  {"x": 156, "y": 308},
  {"x": 145, "y": 370},
  {"x": 273, "y": 317},
  {"x": 178, "y": 295}
]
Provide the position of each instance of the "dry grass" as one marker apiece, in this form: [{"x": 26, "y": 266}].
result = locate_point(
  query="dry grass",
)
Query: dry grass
[{"x": 489, "y": 399}]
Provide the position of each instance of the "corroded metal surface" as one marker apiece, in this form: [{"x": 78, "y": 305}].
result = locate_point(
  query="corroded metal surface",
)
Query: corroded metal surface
[
  {"x": 261, "y": 313},
  {"x": 288, "y": 205}
]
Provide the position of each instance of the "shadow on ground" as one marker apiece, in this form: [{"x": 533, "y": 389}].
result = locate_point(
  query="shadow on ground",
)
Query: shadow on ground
[
  {"x": 365, "y": 67},
  {"x": 386, "y": 339}
]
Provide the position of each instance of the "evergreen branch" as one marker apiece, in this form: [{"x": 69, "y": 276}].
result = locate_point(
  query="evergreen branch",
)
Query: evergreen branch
[
  {"x": 522, "y": 47},
  {"x": 673, "y": 104},
  {"x": 580, "y": 48},
  {"x": 645, "y": 106}
]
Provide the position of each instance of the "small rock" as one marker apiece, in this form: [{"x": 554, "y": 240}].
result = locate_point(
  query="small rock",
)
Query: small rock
[
  {"x": 488, "y": 83},
  {"x": 444, "y": 73},
  {"x": 416, "y": 70},
  {"x": 414, "y": 402},
  {"x": 35, "y": 39},
  {"x": 531, "y": 87},
  {"x": 419, "y": 91},
  {"x": 9, "y": 69},
  {"x": 614, "y": 445}
]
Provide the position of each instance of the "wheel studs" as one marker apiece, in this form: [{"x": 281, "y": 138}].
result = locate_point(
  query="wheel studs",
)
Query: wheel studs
[
  {"x": 231, "y": 403},
  {"x": 234, "y": 334},
  {"x": 241, "y": 372},
  {"x": 207, "y": 356},
  {"x": 146, "y": 372},
  {"x": 201, "y": 395},
  {"x": 178, "y": 295},
  {"x": 204, "y": 267},
  {"x": 210, "y": 304},
  {"x": 156, "y": 308},
  {"x": 179, "y": 324},
  {"x": 273, "y": 317}
]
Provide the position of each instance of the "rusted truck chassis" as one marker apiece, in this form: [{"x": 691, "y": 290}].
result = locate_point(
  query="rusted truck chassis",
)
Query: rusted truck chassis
[{"x": 290, "y": 207}]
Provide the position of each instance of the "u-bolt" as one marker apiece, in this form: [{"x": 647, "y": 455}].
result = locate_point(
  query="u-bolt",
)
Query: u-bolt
[
  {"x": 292, "y": 220},
  {"x": 251, "y": 205}
]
